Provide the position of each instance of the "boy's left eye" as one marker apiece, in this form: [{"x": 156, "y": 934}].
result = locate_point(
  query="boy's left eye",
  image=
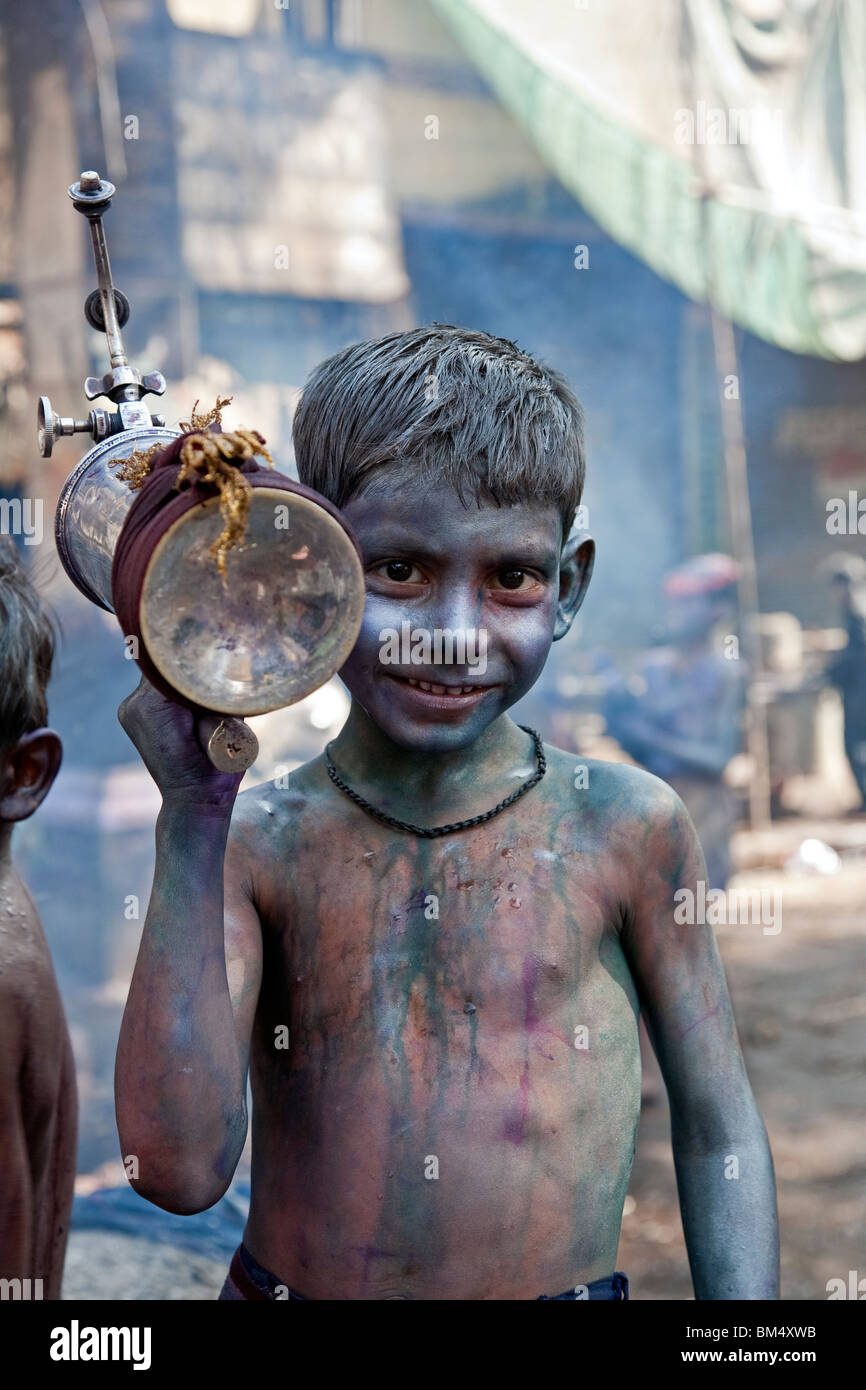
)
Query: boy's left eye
[{"x": 514, "y": 580}]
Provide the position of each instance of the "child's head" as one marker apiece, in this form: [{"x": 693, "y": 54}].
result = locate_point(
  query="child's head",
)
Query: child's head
[
  {"x": 30, "y": 753},
  {"x": 459, "y": 462},
  {"x": 451, "y": 405}
]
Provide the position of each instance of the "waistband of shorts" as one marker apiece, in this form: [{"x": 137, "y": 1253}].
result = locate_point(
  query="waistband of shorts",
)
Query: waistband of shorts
[
  {"x": 615, "y": 1286},
  {"x": 250, "y": 1282},
  {"x": 254, "y": 1283}
]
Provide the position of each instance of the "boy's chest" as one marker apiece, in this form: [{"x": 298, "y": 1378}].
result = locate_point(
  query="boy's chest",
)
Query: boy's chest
[{"x": 424, "y": 938}]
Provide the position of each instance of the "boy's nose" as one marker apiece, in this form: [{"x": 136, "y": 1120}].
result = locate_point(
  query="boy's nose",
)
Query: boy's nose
[{"x": 457, "y": 608}]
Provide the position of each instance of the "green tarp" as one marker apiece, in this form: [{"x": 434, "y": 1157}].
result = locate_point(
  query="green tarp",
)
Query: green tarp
[{"x": 728, "y": 153}]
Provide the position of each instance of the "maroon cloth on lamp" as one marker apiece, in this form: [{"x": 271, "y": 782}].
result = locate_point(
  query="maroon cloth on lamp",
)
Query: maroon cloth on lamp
[{"x": 156, "y": 508}]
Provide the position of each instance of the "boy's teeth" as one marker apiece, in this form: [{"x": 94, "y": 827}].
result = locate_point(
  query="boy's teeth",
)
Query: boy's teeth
[{"x": 433, "y": 689}]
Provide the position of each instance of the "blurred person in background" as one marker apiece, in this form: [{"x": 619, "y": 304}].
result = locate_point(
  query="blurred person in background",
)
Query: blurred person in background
[
  {"x": 681, "y": 716},
  {"x": 847, "y": 670}
]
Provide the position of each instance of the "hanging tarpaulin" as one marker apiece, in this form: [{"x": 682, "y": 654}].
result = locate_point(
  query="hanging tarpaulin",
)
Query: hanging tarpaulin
[{"x": 722, "y": 141}]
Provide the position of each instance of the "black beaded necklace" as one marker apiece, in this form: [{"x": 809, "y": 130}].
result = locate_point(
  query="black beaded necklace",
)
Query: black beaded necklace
[{"x": 432, "y": 832}]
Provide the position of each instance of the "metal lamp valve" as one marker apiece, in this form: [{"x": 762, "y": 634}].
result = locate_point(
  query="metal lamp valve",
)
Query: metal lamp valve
[{"x": 106, "y": 310}]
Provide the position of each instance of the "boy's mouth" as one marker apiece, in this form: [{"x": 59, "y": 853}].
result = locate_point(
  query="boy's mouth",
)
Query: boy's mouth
[
  {"x": 440, "y": 695},
  {"x": 442, "y": 689}
]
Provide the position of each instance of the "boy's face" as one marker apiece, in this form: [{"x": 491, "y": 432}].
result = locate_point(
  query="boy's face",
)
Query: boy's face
[{"x": 464, "y": 597}]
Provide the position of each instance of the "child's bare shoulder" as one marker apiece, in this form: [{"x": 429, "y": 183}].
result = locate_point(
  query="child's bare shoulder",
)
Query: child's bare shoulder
[
  {"x": 617, "y": 797},
  {"x": 624, "y": 806},
  {"x": 265, "y": 812},
  {"x": 616, "y": 792},
  {"x": 631, "y": 822},
  {"x": 32, "y": 1024},
  {"x": 25, "y": 959}
]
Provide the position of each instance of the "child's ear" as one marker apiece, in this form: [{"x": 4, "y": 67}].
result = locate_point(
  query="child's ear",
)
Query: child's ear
[
  {"x": 575, "y": 571},
  {"x": 28, "y": 769}
]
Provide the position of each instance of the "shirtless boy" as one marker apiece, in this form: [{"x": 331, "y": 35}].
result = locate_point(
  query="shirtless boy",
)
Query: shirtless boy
[
  {"x": 37, "y": 1077},
  {"x": 455, "y": 1114}
]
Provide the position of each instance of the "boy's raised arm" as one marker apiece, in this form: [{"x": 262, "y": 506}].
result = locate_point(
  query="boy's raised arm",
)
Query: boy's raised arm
[
  {"x": 183, "y": 1053},
  {"x": 721, "y": 1154}
]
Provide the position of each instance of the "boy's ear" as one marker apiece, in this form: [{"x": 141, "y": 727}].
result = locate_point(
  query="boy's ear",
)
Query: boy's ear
[
  {"x": 575, "y": 571},
  {"x": 28, "y": 769}
]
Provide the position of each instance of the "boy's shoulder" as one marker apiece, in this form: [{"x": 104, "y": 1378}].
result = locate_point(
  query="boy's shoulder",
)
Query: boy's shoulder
[
  {"x": 622, "y": 789},
  {"x": 284, "y": 800},
  {"x": 630, "y": 816},
  {"x": 24, "y": 953},
  {"x": 32, "y": 1023},
  {"x": 617, "y": 791},
  {"x": 616, "y": 799}
]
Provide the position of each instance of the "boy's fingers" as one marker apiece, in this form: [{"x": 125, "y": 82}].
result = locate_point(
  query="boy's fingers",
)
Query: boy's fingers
[{"x": 146, "y": 704}]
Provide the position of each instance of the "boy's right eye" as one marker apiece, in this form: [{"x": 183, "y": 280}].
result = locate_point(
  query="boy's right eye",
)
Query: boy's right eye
[{"x": 400, "y": 572}]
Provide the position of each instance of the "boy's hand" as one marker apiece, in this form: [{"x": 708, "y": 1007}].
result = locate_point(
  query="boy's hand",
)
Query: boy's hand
[{"x": 171, "y": 740}]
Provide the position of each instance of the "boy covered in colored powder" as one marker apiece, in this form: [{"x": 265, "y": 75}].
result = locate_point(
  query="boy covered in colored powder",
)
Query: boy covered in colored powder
[
  {"x": 38, "y": 1107},
  {"x": 440, "y": 1028}
]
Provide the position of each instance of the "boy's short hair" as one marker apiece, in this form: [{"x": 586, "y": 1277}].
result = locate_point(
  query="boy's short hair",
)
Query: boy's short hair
[
  {"x": 462, "y": 405},
  {"x": 26, "y": 650}
]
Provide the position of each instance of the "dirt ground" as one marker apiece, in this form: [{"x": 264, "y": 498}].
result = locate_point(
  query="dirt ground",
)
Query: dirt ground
[{"x": 800, "y": 1003}]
